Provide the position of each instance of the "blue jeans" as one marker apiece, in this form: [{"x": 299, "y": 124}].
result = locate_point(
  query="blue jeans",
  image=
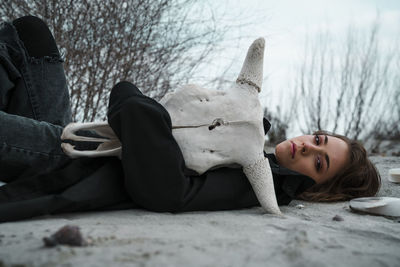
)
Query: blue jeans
[{"x": 34, "y": 108}]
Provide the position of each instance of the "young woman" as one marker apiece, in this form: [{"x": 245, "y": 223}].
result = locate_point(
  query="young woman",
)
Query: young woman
[
  {"x": 339, "y": 166},
  {"x": 41, "y": 179}
]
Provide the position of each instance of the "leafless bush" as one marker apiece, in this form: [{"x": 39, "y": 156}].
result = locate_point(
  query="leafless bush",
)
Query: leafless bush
[
  {"x": 278, "y": 130},
  {"x": 350, "y": 89},
  {"x": 155, "y": 44},
  {"x": 386, "y": 136}
]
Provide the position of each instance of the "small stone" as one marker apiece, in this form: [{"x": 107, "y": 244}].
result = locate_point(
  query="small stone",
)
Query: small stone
[
  {"x": 300, "y": 206},
  {"x": 337, "y": 218},
  {"x": 66, "y": 235}
]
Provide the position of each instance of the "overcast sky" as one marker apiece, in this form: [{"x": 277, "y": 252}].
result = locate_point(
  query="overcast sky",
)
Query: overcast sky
[{"x": 285, "y": 24}]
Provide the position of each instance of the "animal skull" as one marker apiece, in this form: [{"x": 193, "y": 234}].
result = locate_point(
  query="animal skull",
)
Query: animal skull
[{"x": 212, "y": 127}]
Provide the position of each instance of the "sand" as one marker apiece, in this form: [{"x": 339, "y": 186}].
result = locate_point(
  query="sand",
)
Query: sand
[{"x": 307, "y": 236}]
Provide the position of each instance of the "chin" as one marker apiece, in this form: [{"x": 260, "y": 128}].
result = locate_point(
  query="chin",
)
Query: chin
[{"x": 280, "y": 152}]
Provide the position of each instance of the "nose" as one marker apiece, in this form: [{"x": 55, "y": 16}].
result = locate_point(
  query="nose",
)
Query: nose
[{"x": 307, "y": 148}]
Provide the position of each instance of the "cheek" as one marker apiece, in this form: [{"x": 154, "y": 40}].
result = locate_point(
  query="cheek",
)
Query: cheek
[{"x": 301, "y": 165}]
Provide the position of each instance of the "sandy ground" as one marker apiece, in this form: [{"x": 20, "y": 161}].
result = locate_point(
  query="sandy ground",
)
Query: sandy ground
[{"x": 305, "y": 237}]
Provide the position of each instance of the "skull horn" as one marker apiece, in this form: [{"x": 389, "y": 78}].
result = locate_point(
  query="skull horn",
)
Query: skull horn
[
  {"x": 252, "y": 69},
  {"x": 261, "y": 180}
]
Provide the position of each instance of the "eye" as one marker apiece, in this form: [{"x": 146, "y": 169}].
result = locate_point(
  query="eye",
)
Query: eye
[
  {"x": 318, "y": 165},
  {"x": 317, "y": 139}
]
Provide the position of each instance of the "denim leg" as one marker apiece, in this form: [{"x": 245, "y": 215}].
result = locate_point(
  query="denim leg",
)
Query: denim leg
[
  {"x": 45, "y": 91},
  {"x": 35, "y": 107},
  {"x": 28, "y": 147}
]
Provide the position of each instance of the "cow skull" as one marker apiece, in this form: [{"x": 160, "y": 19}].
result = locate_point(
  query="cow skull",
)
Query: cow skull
[{"x": 213, "y": 128}]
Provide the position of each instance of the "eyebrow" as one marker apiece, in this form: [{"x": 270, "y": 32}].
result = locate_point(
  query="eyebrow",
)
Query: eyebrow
[{"x": 326, "y": 155}]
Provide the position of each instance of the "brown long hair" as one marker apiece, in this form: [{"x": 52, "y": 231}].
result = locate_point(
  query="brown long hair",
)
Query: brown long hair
[{"x": 359, "y": 178}]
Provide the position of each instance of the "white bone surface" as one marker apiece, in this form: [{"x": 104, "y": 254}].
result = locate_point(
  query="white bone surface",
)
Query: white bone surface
[
  {"x": 387, "y": 206},
  {"x": 110, "y": 146},
  {"x": 238, "y": 139},
  {"x": 260, "y": 178},
  {"x": 252, "y": 69},
  {"x": 394, "y": 175}
]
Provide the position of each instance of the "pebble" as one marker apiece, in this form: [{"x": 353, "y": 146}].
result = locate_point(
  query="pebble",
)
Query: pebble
[
  {"x": 300, "y": 206},
  {"x": 338, "y": 218},
  {"x": 66, "y": 235}
]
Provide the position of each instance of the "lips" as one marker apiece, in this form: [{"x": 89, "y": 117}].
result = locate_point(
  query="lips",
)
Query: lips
[{"x": 293, "y": 149}]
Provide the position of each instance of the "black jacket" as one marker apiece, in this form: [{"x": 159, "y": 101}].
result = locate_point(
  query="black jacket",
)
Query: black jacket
[{"x": 151, "y": 175}]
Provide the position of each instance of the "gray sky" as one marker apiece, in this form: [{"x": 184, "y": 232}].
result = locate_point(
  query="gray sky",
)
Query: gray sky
[{"x": 285, "y": 24}]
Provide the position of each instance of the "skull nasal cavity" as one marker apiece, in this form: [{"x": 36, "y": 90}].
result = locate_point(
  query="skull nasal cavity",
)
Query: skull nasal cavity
[{"x": 212, "y": 126}]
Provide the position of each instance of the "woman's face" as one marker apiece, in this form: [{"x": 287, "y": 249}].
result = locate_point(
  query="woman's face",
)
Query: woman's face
[{"x": 318, "y": 156}]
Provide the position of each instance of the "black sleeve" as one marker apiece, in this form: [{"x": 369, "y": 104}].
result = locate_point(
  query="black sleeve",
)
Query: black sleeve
[
  {"x": 154, "y": 169},
  {"x": 223, "y": 189}
]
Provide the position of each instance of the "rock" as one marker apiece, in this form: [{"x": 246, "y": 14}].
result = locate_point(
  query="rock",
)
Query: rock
[
  {"x": 337, "y": 218},
  {"x": 66, "y": 235}
]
